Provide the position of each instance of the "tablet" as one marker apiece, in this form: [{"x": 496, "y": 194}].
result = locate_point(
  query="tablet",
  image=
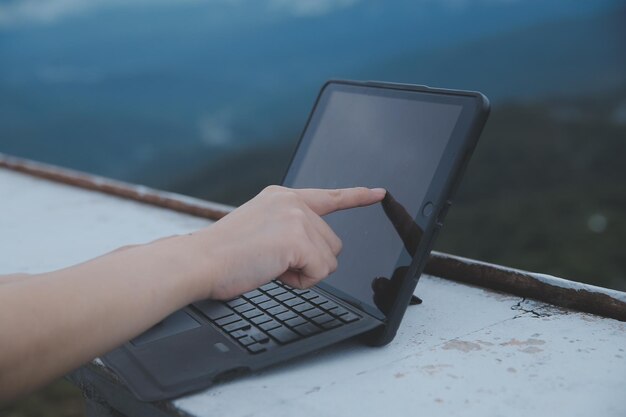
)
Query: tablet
[{"x": 413, "y": 141}]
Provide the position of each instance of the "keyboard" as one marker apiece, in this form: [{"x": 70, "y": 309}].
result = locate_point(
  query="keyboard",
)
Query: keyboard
[{"x": 274, "y": 315}]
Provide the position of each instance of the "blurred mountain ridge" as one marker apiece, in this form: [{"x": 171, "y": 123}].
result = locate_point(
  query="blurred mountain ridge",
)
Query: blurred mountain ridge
[{"x": 113, "y": 103}]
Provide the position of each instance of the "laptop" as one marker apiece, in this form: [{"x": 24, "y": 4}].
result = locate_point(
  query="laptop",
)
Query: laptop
[{"x": 415, "y": 142}]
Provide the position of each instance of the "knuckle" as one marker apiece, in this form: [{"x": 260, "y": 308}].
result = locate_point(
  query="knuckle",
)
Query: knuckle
[
  {"x": 272, "y": 189},
  {"x": 328, "y": 267},
  {"x": 124, "y": 248},
  {"x": 335, "y": 194},
  {"x": 338, "y": 245},
  {"x": 285, "y": 196},
  {"x": 293, "y": 253},
  {"x": 333, "y": 265},
  {"x": 335, "y": 198},
  {"x": 296, "y": 216},
  {"x": 292, "y": 198}
]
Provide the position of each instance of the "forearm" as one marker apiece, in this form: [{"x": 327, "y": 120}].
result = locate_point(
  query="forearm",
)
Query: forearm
[{"x": 54, "y": 322}]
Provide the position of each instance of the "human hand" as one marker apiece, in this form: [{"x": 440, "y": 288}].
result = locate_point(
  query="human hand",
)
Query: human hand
[{"x": 278, "y": 234}]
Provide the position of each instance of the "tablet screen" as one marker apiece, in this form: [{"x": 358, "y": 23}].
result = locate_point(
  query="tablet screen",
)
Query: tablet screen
[{"x": 374, "y": 137}]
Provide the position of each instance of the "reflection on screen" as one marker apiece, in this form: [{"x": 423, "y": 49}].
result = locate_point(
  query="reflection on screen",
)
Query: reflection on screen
[{"x": 374, "y": 140}]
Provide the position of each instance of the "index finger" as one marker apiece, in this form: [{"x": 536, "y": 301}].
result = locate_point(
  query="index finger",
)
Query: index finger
[{"x": 323, "y": 201}]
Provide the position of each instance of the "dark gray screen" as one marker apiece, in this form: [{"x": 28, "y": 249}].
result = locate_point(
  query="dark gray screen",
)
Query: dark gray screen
[{"x": 374, "y": 139}]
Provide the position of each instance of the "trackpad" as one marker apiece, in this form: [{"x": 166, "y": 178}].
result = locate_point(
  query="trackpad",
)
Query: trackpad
[{"x": 173, "y": 324}]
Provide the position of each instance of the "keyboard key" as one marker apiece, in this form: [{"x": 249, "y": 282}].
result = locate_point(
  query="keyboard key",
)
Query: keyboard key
[
  {"x": 332, "y": 324},
  {"x": 307, "y": 329},
  {"x": 227, "y": 320},
  {"x": 244, "y": 307},
  {"x": 269, "y": 325},
  {"x": 260, "y": 337},
  {"x": 339, "y": 311},
  {"x": 264, "y": 318},
  {"x": 276, "y": 310},
  {"x": 310, "y": 295},
  {"x": 267, "y": 305},
  {"x": 293, "y": 302},
  {"x": 320, "y": 302},
  {"x": 283, "y": 335},
  {"x": 247, "y": 340},
  {"x": 260, "y": 299},
  {"x": 324, "y": 318},
  {"x": 312, "y": 313},
  {"x": 238, "y": 334},
  {"x": 276, "y": 291},
  {"x": 255, "y": 348},
  {"x": 252, "y": 294},
  {"x": 286, "y": 315},
  {"x": 285, "y": 296},
  {"x": 299, "y": 291},
  {"x": 348, "y": 318},
  {"x": 238, "y": 325},
  {"x": 269, "y": 286},
  {"x": 303, "y": 307},
  {"x": 295, "y": 321},
  {"x": 330, "y": 305},
  {"x": 236, "y": 302},
  {"x": 213, "y": 310},
  {"x": 252, "y": 313}
]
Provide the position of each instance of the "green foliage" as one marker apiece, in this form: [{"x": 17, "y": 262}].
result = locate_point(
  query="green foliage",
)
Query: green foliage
[{"x": 539, "y": 174}]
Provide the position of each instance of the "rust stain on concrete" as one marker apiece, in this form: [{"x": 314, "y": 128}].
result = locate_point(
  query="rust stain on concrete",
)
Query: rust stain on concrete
[
  {"x": 527, "y": 342},
  {"x": 531, "y": 349},
  {"x": 434, "y": 369},
  {"x": 462, "y": 345}
]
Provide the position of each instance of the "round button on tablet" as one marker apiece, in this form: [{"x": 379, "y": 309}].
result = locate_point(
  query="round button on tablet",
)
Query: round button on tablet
[{"x": 427, "y": 210}]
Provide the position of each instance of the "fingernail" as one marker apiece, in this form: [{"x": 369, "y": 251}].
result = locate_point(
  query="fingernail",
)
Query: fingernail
[{"x": 379, "y": 192}]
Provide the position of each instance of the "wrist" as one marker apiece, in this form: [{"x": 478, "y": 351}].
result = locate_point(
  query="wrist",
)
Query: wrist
[{"x": 197, "y": 263}]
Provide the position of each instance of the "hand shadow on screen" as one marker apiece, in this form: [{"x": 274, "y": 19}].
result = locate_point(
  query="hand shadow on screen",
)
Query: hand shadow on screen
[{"x": 386, "y": 289}]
